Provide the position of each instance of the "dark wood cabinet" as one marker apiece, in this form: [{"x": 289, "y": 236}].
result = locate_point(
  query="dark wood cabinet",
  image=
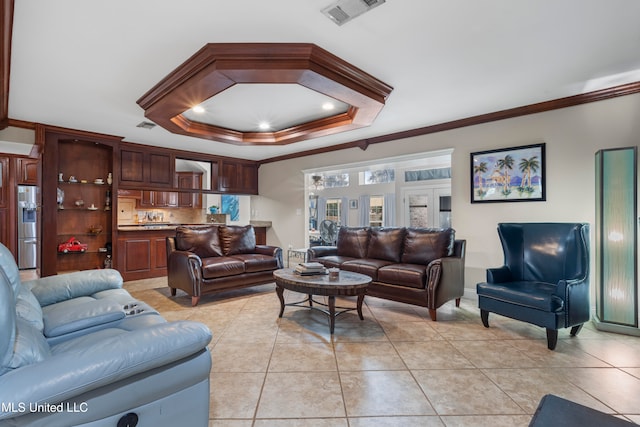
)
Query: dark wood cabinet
[
  {"x": 189, "y": 180},
  {"x": 4, "y": 230},
  {"x": 27, "y": 171},
  {"x": 158, "y": 199},
  {"x": 142, "y": 254},
  {"x": 144, "y": 168},
  {"x": 238, "y": 177},
  {"x": 4, "y": 182},
  {"x": 82, "y": 208}
]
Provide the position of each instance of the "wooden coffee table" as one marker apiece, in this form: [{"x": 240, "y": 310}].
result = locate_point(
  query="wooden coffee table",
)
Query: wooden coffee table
[{"x": 347, "y": 284}]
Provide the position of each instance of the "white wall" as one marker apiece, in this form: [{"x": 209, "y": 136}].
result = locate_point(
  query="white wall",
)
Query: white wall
[{"x": 572, "y": 135}]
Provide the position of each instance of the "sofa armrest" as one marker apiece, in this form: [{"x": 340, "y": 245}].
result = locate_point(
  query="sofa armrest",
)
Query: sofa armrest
[
  {"x": 274, "y": 251},
  {"x": 184, "y": 271},
  {"x": 69, "y": 374},
  {"x": 54, "y": 289},
  {"x": 63, "y": 320},
  {"x": 499, "y": 275},
  {"x": 320, "y": 251},
  {"x": 445, "y": 280}
]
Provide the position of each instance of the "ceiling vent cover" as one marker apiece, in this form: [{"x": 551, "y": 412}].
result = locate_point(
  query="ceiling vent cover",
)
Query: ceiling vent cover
[
  {"x": 146, "y": 125},
  {"x": 344, "y": 11}
]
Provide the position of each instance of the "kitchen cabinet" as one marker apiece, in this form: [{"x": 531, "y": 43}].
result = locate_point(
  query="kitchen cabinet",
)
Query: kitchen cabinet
[
  {"x": 4, "y": 182},
  {"x": 27, "y": 171},
  {"x": 145, "y": 168},
  {"x": 158, "y": 199},
  {"x": 4, "y": 231},
  {"x": 189, "y": 180},
  {"x": 238, "y": 177},
  {"x": 142, "y": 254}
]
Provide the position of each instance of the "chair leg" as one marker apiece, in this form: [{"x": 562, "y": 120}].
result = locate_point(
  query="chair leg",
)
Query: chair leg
[
  {"x": 194, "y": 301},
  {"x": 173, "y": 292},
  {"x": 432, "y": 314},
  {"x": 484, "y": 315},
  {"x": 457, "y": 302},
  {"x": 576, "y": 330},
  {"x": 552, "y": 338}
]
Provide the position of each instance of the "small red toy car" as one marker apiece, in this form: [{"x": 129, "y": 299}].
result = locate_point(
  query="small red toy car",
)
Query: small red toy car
[{"x": 72, "y": 245}]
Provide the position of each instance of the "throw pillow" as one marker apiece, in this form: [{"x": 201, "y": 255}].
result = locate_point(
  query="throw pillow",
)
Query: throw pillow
[
  {"x": 353, "y": 242},
  {"x": 238, "y": 239},
  {"x": 386, "y": 243},
  {"x": 423, "y": 245},
  {"x": 203, "y": 241}
]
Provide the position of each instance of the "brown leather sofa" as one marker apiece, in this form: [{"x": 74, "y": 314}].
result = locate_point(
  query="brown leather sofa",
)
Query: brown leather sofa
[
  {"x": 420, "y": 266},
  {"x": 208, "y": 259}
]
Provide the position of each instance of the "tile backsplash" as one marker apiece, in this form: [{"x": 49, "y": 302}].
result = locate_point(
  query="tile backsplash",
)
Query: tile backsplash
[{"x": 128, "y": 214}]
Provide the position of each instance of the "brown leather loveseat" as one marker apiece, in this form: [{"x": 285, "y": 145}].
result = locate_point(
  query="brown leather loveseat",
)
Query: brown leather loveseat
[
  {"x": 212, "y": 258},
  {"x": 420, "y": 266}
]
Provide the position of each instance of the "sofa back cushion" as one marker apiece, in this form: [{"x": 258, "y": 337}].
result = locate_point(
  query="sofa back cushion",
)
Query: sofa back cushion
[
  {"x": 203, "y": 241},
  {"x": 423, "y": 245},
  {"x": 237, "y": 239},
  {"x": 386, "y": 243},
  {"x": 353, "y": 242}
]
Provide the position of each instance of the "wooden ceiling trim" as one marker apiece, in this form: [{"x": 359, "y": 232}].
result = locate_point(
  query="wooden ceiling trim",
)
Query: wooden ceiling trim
[
  {"x": 218, "y": 66},
  {"x": 6, "y": 25},
  {"x": 570, "y": 101}
]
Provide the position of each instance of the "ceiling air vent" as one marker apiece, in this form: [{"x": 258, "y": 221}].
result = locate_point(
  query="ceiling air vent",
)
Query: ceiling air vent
[
  {"x": 146, "y": 125},
  {"x": 344, "y": 11}
]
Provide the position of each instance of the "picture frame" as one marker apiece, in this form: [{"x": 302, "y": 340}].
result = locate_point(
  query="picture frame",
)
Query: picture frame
[
  {"x": 515, "y": 174},
  {"x": 353, "y": 204}
]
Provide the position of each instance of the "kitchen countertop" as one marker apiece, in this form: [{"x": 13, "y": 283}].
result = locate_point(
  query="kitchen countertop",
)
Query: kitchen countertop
[
  {"x": 169, "y": 226},
  {"x": 257, "y": 223}
]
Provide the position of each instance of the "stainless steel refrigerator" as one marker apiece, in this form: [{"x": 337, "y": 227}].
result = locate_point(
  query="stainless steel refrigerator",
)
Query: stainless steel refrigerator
[{"x": 28, "y": 227}]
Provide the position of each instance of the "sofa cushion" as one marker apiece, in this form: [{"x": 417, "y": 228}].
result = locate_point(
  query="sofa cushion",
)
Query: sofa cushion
[
  {"x": 257, "y": 262},
  {"x": 237, "y": 239},
  {"x": 386, "y": 243},
  {"x": 536, "y": 295},
  {"x": 353, "y": 241},
  {"x": 202, "y": 241},
  {"x": 332, "y": 261},
  {"x": 367, "y": 266},
  {"x": 212, "y": 268},
  {"x": 410, "y": 275},
  {"x": 423, "y": 245}
]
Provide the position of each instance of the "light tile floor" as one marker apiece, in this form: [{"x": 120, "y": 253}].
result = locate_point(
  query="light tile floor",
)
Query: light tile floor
[{"x": 395, "y": 368}]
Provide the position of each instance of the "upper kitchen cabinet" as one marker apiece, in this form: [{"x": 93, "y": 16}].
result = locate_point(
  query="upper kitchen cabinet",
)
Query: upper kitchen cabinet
[
  {"x": 27, "y": 171},
  {"x": 238, "y": 177},
  {"x": 145, "y": 168},
  {"x": 189, "y": 180}
]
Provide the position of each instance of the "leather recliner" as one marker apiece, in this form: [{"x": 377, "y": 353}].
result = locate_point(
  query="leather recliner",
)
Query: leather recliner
[
  {"x": 544, "y": 279},
  {"x": 77, "y": 349}
]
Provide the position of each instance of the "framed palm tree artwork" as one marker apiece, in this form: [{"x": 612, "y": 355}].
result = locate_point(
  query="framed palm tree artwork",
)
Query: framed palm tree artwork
[{"x": 514, "y": 174}]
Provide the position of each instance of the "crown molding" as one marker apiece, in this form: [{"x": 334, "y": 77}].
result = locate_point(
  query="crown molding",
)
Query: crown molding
[
  {"x": 219, "y": 66},
  {"x": 541, "y": 107}
]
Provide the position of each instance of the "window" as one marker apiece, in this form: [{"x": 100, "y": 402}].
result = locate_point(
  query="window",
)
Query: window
[
  {"x": 376, "y": 211},
  {"x": 334, "y": 207},
  {"x": 377, "y": 176},
  {"x": 336, "y": 180}
]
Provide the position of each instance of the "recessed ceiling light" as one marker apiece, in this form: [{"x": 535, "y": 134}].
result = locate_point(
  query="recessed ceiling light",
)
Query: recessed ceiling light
[
  {"x": 264, "y": 126},
  {"x": 199, "y": 109},
  {"x": 327, "y": 106}
]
